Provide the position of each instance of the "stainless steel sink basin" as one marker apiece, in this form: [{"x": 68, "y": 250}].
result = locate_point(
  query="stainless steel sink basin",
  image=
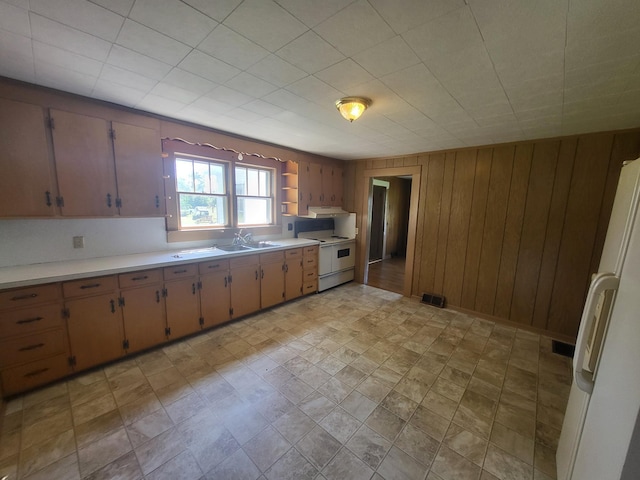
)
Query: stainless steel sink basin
[
  {"x": 233, "y": 248},
  {"x": 260, "y": 245}
]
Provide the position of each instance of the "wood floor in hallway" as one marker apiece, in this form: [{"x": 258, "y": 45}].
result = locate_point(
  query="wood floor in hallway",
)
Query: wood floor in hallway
[{"x": 387, "y": 274}]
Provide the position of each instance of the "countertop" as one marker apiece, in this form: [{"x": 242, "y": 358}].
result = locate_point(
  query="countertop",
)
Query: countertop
[{"x": 25, "y": 275}]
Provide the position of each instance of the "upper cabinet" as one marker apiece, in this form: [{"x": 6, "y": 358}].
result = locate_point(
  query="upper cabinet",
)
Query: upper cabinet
[
  {"x": 26, "y": 182},
  {"x": 307, "y": 184},
  {"x": 138, "y": 153},
  {"x": 84, "y": 165}
]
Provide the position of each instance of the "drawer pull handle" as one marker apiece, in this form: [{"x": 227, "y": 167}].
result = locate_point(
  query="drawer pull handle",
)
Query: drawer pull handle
[
  {"x": 36, "y": 372},
  {"x": 29, "y": 320},
  {"x": 217, "y": 265},
  {"x": 179, "y": 271},
  {"x": 143, "y": 277},
  {"x": 31, "y": 347},
  {"x": 25, "y": 297},
  {"x": 89, "y": 285}
]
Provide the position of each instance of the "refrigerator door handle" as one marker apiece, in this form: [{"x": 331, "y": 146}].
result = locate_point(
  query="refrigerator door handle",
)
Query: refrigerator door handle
[{"x": 601, "y": 283}]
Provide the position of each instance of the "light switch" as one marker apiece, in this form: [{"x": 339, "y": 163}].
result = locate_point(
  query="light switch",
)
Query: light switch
[{"x": 78, "y": 242}]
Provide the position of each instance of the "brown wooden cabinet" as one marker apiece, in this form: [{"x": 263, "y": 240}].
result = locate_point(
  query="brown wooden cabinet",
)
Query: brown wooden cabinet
[
  {"x": 337, "y": 186},
  {"x": 84, "y": 164},
  {"x": 292, "y": 273},
  {"x": 307, "y": 184},
  {"x": 33, "y": 338},
  {"x": 94, "y": 321},
  {"x": 326, "y": 185},
  {"x": 244, "y": 278},
  {"x": 310, "y": 269},
  {"x": 138, "y": 163},
  {"x": 215, "y": 295},
  {"x": 181, "y": 300},
  {"x": 26, "y": 182},
  {"x": 271, "y": 279},
  {"x": 143, "y": 309}
]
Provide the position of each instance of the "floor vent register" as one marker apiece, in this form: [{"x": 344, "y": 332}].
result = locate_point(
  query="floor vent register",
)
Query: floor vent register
[{"x": 435, "y": 300}]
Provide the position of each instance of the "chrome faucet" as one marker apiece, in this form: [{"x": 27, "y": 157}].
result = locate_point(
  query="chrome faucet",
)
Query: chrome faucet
[{"x": 240, "y": 239}]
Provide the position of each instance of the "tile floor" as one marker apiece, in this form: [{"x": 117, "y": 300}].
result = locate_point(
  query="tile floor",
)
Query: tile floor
[{"x": 354, "y": 383}]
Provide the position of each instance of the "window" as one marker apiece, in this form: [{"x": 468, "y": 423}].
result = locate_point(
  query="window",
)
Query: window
[
  {"x": 254, "y": 195},
  {"x": 211, "y": 192}
]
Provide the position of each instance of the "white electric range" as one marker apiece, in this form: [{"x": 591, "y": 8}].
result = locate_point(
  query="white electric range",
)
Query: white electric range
[{"x": 336, "y": 258}]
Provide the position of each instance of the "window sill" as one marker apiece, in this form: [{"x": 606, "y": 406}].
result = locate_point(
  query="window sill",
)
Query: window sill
[{"x": 218, "y": 234}]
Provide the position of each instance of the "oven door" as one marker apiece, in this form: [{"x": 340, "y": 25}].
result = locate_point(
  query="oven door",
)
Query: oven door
[
  {"x": 344, "y": 256},
  {"x": 325, "y": 257}
]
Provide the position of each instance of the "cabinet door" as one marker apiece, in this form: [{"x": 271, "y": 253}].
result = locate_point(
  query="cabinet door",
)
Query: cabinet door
[
  {"x": 326, "y": 173},
  {"x": 84, "y": 164},
  {"x": 304, "y": 188},
  {"x": 183, "y": 309},
  {"x": 143, "y": 313},
  {"x": 215, "y": 299},
  {"x": 138, "y": 159},
  {"x": 338, "y": 186},
  {"x": 26, "y": 187},
  {"x": 245, "y": 290},
  {"x": 293, "y": 278},
  {"x": 95, "y": 330},
  {"x": 315, "y": 184},
  {"x": 271, "y": 284}
]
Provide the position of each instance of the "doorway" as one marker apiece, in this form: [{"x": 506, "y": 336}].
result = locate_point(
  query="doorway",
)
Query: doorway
[
  {"x": 378, "y": 220},
  {"x": 372, "y": 272}
]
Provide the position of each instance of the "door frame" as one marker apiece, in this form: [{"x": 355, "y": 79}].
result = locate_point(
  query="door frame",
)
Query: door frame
[
  {"x": 383, "y": 184},
  {"x": 415, "y": 172}
]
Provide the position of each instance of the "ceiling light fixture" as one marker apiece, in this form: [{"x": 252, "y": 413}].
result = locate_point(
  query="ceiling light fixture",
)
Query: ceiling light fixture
[{"x": 352, "y": 107}]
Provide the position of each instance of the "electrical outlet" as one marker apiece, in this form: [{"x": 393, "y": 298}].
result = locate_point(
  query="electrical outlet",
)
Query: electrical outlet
[
  {"x": 78, "y": 242},
  {"x": 290, "y": 226}
]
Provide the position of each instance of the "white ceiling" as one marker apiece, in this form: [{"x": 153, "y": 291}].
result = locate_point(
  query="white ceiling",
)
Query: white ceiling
[{"x": 441, "y": 73}]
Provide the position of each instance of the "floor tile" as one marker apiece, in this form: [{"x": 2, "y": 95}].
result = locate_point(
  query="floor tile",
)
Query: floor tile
[
  {"x": 398, "y": 465},
  {"x": 316, "y": 406},
  {"x": 465, "y": 443},
  {"x": 369, "y": 446},
  {"x": 123, "y": 468},
  {"x": 512, "y": 442},
  {"x": 318, "y": 446},
  {"x": 358, "y": 405},
  {"x": 66, "y": 468},
  {"x": 385, "y": 423},
  {"x": 104, "y": 451},
  {"x": 238, "y": 466},
  {"x": 418, "y": 444},
  {"x": 294, "y": 425},
  {"x": 506, "y": 466},
  {"x": 340, "y": 424},
  {"x": 266, "y": 448},
  {"x": 45, "y": 453},
  {"x": 346, "y": 465},
  {"x": 291, "y": 466},
  {"x": 149, "y": 427},
  {"x": 452, "y": 466},
  {"x": 430, "y": 423},
  {"x": 159, "y": 450}
]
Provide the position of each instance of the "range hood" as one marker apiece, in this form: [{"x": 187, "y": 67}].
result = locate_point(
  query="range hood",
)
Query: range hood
[{"x": 326, "y": 212}]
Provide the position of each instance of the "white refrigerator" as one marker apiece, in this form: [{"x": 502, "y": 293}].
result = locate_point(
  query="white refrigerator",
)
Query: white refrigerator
[{"x": 599, "y": 435}]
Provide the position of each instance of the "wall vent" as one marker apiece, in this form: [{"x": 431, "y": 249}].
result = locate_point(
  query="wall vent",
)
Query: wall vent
[
  {"x": 562, "y": 348},
  {"x": 435, "y": 300}
]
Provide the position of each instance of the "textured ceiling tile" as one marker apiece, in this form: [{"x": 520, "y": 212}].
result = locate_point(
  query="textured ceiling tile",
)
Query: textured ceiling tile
[
  {"x": 310, "y": 53},
  {"x": 121, "y": 7},
  {"x": 136, "y": 62},
  {"x": 148, "y": 42},
  {"x": 206, "y": 66},
  {"x": 117, "y": 93},
  {"x": 251, "y": 85},
  {"x": 14, "y": 19},
  {"x": 81, "y": 15},
  {"x": 263, "y": 108},
  {"x": 161, "y": 105},
  {"x": 315, "y": 90},
  {"x": 189, "y": 81},
  {"x": 67, "y": 38},
  {"x": 65, "y": 59},
  {"x": 218, "y": 9},
  {"x": 232, "y": 48},
  {"x": 594, "y": 18},
  {"x": 227, "y": 95},
  {"x": 355, "y": 28},
  {"x": 345, "y": 75},
  {"x": 618, "y": 45},
  {"x": 15, "y": 46},
  {"x": 312, "y": 12},
  {"x": 127, "y": 78},
  {"x": 265, "y": 23},
  {"x": 387, "y": 57},
  {"x": 63, "y": 79},
  {"x": 276, "y": 71},
  {"x": 174, "y": 19},
  {"x": 172, "y": 92},
  {"x": 404, "y": 15}
]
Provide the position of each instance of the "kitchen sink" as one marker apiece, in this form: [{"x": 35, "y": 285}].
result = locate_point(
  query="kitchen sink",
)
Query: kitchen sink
[
  {"x": 233, "y": 248},
  {"x": 260, "y": 245}
]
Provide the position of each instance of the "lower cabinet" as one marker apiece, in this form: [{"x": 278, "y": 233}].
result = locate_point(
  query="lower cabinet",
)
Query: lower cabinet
[
  {"x": 271, "y": 279},
  {"x": 94, "y": 322},
  {"x": 181, "y": 300},
  {"x": 292, "y": 273},
  {"x": 215, "y": 297},
  {"x": 143, "y": 309},
  {"x": 244, "y": 278}
]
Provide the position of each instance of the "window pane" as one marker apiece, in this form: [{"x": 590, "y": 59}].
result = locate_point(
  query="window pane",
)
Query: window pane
[
  {"x": 252, "y": 182},
  {"x": 202, "y": 210},
  {"x": 202, "y": 179},
  {"x": 218, "y": 183},
  {"x": 184, "y": 175},
  {"x": 241, "y": 181},
  {"x": 265, "y": 191},
  {"x": 254, "y": 211}
]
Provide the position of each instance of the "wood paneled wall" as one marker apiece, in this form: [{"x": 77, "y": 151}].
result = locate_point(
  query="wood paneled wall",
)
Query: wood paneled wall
[{"x": 512, "y": 231}]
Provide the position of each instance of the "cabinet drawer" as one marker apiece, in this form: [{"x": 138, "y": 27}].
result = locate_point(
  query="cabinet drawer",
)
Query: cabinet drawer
[
  {"x": 309, "y": 262},
  {"x": 23, "y": 297},
  {"x": 293, "y": 253},
  {"x": 21, "y": 350},
  {"x": 89, "y": 286},
  {"x": 135, "y": 279},
  {"x": 271, "y": 257},
  {"x": 309, "y": 275},
  {"x": 309, "y": 287},
  {"x": 213, "y": 266},
  {"x": 23, "y": 321},
  {"x": 244, "y": 261},
  {"x": 24, "y": 377},
  {"x": 180, "y": 271},
  {"x": 311, "y": 251}
]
